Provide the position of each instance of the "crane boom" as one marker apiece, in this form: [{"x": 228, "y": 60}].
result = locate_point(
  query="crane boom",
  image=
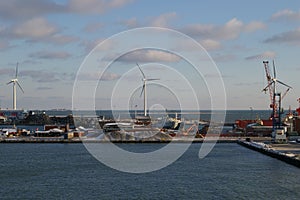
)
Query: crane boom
[{"x": 270, "y": 85}]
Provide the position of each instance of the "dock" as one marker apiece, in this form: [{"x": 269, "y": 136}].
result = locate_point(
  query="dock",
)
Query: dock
[{"x": 287, "y": 152}]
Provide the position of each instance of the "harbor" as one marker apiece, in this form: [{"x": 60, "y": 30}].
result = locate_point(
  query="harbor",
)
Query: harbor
[
  {"x": 125, "y": 99},
  {"x": 287, "y": 152},
  {"x": 243, "y": 137}
]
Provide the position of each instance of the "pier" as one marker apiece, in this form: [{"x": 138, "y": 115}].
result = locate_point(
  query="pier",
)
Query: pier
[{"x": 288, "y": 152}]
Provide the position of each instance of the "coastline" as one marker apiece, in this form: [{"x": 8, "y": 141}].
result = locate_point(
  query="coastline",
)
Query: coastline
[{"x": 79, "y": 140}]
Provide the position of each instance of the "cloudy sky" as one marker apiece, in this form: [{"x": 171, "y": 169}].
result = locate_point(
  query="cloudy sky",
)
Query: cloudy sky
[{"x": 51, "y": 38}]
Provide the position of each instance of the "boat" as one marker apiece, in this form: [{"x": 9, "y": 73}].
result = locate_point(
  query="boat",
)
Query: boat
[
  {"x": 116, "y": 126},
  {"x": 172, "y": 123}
]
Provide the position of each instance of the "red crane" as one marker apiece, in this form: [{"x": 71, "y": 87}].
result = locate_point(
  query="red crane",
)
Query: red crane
[
  {"x": 269, "y": 79},
  {"x": 298, "y": 109},
  {"x": 272, "y": 89}
]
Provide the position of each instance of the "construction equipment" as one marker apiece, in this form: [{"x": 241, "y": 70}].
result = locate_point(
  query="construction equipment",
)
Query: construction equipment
[{"x": 276, "y": 99}]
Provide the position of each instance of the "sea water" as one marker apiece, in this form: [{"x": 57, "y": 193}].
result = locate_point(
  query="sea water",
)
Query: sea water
[
  {"x": 68, "y": 171},
  {"x": 231, "y": 115}
]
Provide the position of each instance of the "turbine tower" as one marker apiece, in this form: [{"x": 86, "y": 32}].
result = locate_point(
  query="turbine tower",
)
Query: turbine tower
[
  {"x": 15, "y": 82},
  {"x": 145, "y": 88}
]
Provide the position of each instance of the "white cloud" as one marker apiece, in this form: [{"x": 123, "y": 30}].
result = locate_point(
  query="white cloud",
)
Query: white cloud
[
  {"x": 286, "y": 14},
  {"x": 229, "y": 31},
  {"x": 254, "y": 26},
  {"x": 16, "y": 9},
  {"x": 262, "y": 56},
  {"x": 40, "y": 76},
  {"x": 164, "y": 19},
  {"x": 289, "y": 37},
  {"x": 94, "y": 6},
  {"x": 130, "y": 23},
  {"x": 149, "y": 55},
  {"x": 35, "y": 28},
  {"x": 105, "y": 45},
  {"x": 60, "y": 39},
  {"x": 107, "y": 76},
  {"x": 209, "y": 44},
  {"x": 50, "y": 55}
]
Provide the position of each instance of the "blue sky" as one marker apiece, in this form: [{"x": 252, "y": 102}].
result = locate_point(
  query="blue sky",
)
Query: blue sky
[{"x": 50, "y": 40}]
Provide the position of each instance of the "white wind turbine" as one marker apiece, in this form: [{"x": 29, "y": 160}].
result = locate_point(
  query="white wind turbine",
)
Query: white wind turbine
[
  {"x": 145, "y": 88},
  {"x": 15, "y": 82}
]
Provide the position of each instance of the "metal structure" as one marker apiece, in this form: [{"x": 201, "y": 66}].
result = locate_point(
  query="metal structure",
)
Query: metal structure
[
  {"x": 15, "y": 82},
  {"x": 144, "y": 89},
  {"x": 275, "y": 97},
  {"x": 298, "y": 109}
]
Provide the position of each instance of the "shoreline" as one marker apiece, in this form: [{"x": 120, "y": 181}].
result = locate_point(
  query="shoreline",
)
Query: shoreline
[{"x": 79, "y": 140}]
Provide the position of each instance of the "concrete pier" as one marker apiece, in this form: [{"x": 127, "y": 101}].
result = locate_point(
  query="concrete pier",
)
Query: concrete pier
[{"x": 289, "y": 153}]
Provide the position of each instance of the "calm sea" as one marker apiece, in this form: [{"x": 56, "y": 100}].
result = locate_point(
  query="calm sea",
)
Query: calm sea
[{"x": 68, "y": 171}]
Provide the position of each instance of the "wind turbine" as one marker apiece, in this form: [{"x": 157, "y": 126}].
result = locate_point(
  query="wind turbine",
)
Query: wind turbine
[
  {"x": 145, "y": 88},
  {"x": 276, "y": 114},
  {"x": 15, "y": 82},
  {"x": 274, "y": 80}
]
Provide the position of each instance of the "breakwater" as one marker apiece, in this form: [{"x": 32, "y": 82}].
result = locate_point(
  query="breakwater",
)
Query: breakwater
[{"x": 288, "y": 157}]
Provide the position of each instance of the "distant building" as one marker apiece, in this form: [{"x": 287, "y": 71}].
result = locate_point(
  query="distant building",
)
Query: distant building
[{"x": 12, "y": 115}]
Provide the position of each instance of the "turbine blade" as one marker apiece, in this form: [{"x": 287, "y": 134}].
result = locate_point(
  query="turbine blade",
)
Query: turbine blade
[
  {"x": 142, "y": 90},
  {"x": 9, "y": 82},
  {"x": 266, "y": 88},
  {"x": 274, "y": 70},
  {"x": 284, "y": 84},
  {"x": 20, "y": 86},
  {"x": 17, "y": 70},
  {"x": 152, "y": 79},
  {"x": 141, "y": 71}
]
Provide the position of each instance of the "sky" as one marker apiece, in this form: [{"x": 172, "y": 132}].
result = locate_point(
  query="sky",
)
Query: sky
[{"x": 52, "y": 41}]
